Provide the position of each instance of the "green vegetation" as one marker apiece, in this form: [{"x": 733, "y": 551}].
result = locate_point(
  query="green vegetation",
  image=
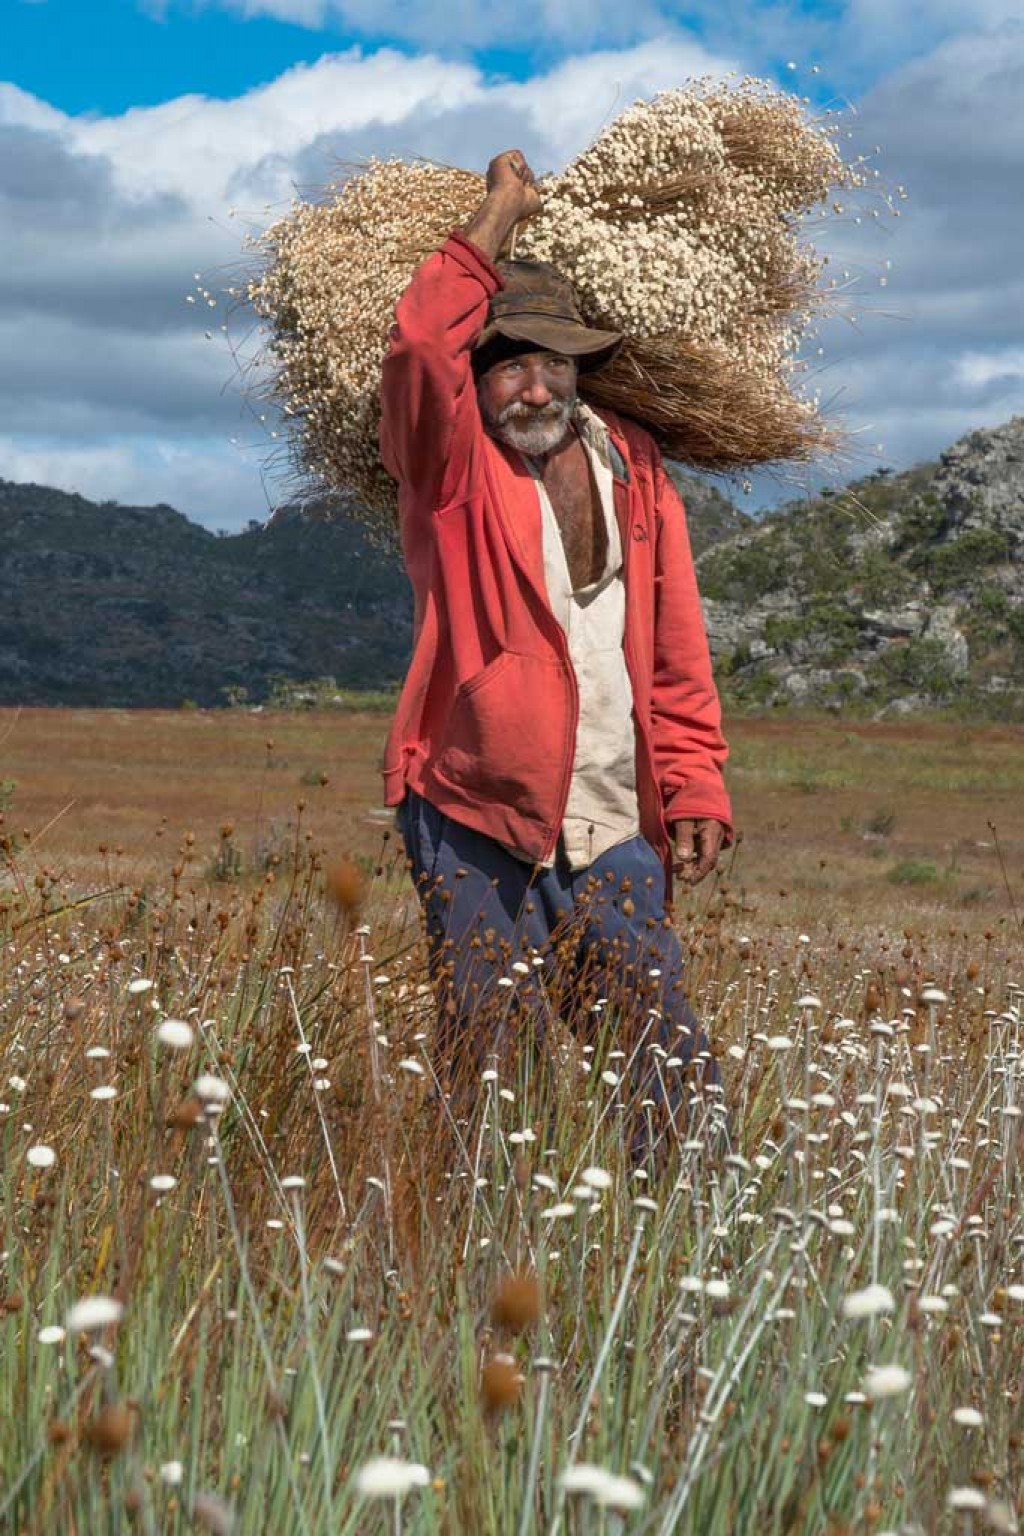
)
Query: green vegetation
[
  {"x": 913, "y": 872},
  {"x": 300, "y": 1257}
]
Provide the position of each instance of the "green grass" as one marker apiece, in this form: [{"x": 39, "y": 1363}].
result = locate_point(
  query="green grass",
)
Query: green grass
[{"x": 683, "y": 1318}]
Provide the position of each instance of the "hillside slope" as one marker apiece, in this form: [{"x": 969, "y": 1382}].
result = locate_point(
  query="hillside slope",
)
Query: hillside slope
[{"x": 899, "y": 592}]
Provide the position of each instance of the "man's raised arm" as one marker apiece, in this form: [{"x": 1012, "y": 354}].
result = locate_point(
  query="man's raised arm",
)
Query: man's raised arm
[{"x": 428, "y": 400}]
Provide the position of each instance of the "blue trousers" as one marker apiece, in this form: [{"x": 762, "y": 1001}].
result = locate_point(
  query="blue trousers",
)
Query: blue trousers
[{"x": 512, "y": 944}]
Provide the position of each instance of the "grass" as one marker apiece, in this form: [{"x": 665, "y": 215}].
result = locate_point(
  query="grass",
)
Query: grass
[{"x": 329, "y": 1278}]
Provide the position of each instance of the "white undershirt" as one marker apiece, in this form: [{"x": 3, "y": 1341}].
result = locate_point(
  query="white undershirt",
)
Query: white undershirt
[{"x": 602, "y": 806}]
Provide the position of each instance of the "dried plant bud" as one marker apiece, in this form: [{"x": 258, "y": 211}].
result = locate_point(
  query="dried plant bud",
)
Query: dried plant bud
[
  {"x": 111, "y": 1429},
  {"x": 185, "y": 1114},
  {"x": 501, "y": 1383},
  {"x": 346, "y": 887},
  {"x": 517, "y": 1303}
]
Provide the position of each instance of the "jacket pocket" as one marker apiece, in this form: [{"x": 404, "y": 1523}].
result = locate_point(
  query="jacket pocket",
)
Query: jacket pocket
[{"x": 506, "y": 736}]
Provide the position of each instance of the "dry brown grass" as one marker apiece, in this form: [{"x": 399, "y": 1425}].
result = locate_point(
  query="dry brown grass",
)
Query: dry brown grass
[{"x": 109, "y": 796}]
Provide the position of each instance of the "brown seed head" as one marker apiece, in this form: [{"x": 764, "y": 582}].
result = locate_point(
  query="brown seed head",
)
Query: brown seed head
[
  {"x": 501, "y": 1383},
  {"x": 517, "y": 1303},
  {"x": 111, "y": 1429},
  {"x": 346, "y": 887},
  {"x": 186, "y": 1114}
]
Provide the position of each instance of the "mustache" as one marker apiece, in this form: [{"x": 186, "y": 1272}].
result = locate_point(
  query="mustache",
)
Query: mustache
[{"x": 518, "y": 411}]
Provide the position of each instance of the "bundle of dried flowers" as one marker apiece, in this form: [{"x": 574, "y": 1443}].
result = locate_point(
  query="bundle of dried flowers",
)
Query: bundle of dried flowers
[{"x": 679, "y": 226}]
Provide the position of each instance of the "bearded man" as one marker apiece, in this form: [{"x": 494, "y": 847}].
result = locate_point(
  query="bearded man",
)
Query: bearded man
[{"x": 556, "y": 755}]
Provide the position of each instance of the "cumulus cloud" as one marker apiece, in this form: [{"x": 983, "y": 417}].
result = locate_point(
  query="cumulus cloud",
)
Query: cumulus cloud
[
  {"x": 221, "y": 488},
  {"x": 104, "y": 220},
  {"x": 951, "y": 129}
]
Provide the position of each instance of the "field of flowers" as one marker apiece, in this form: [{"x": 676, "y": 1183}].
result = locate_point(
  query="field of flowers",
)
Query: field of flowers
[{"x": 259, "y": 1275}]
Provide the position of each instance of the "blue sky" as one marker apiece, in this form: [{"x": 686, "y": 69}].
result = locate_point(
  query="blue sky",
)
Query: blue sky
[{"x": 141, "y": 140}]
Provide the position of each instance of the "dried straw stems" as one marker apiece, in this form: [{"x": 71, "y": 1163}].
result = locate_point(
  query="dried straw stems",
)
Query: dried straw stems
[{"x": 678, "y": 226}]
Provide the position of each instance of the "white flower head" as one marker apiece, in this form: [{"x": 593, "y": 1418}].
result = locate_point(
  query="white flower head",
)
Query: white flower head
[
  {"x": 175, "y": 1034},
  {"x": 388, "y": 1477},
  {"x": 40, "y": 1157},
  {"x": 92, "y": 1312},
  {"x": 872, "y": 1301},
  {"x": 887, "y": 1381},
  {"x": 213, "y": 1091},
  {"x": 966, "y": 1498},
  {"x": 596, "y": 1178},
  {"x": 605, "y": 1488}
]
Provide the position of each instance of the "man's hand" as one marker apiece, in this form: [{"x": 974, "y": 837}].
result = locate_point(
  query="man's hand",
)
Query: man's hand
[
  {"x": 509, "y": 175},
  {"x": 698, "y": 844},
  {"x": 511, "y": 197}
]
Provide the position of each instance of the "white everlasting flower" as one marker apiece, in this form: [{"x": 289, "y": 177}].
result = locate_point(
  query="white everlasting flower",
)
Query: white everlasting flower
[
  {"x": 92, "y": 1312},
  {"x": 140, "y": 984},
  {"x": 779, "y": 1043},
  {"x": 970, "y": 1418},
  {"x": 359, "y": 1335},
  {"x": 556, "y": 1212},
  {"x": 605, "y": 1488},
  {"x": 104, "y": 1093},
  {"x": 162, "y": 1182},
  {"x": 933, "y": 995},
  {"x": 872, "y": 1301},
  {"x": 40, "y": 1157},
  {"x": 293, "y": 1181},
  {"x": 175, "y": 1034},
  {"x": 53, "y": 1334},
  {"x": 966, "y": 1498},
  {"x": 171, "y": 1473},
  {"x": 808, "y": 1001},
  {"x": 887, "y": 1380},
  {"x": 213, "y": 1091},
  {"x": 932, "y": 1304},
  {"x": 388, "y": 1477},
  {"x": 412, "y": 1066},
  {"x": 718, "y": 1290},
  {"x": 815, "y": 1399},
  {"x": 596, "y": 1178}
]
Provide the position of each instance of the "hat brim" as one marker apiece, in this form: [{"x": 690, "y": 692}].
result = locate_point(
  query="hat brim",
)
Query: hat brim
[{"x": 591, "y": 348}]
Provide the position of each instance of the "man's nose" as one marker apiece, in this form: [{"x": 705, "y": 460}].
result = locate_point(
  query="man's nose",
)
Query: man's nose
[{"x": 536, "y": 391}]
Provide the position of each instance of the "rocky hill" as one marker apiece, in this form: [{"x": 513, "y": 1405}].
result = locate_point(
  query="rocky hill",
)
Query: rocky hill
[
  {"x": 898, "y": 592},
  {"x": 105, "y": 604}
]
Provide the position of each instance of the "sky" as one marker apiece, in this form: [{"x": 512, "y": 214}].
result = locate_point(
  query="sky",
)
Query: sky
[{"x": 142, "y": 140}]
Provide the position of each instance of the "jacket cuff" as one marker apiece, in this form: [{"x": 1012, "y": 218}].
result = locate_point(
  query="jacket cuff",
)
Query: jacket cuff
[{"x": 473, "y": 259}]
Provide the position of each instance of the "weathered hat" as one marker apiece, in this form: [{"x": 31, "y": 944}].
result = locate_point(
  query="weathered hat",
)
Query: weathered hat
[{"x": 537, "y": 304}]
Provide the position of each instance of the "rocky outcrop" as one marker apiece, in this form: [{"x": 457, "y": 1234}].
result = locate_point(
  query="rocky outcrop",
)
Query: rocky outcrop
[{"x": 902, "y": 592}]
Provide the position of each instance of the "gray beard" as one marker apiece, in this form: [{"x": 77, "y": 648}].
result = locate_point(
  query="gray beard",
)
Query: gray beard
[{"x": 533, "y": 432}]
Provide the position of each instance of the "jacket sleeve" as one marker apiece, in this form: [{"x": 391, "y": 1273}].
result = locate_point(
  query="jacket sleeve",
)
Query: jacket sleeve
[
  {"x": 689, "y": 748},
  {"x": 430, "y": 420}
]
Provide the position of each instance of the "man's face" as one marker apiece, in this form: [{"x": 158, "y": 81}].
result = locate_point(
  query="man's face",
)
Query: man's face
[{"x": 528, "y": 401}]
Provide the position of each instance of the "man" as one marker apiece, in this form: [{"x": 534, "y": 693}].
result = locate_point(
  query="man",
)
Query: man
[{"x": 556, "y": 755}]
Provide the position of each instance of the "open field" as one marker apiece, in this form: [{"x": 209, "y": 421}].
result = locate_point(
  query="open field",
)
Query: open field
[
  {"x": 221, "y": 1120},
  {"x": 839, "y": 822}
]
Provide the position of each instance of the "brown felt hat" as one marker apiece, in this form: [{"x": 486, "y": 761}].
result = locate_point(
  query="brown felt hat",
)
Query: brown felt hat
[{"x": 538, "y": 305}]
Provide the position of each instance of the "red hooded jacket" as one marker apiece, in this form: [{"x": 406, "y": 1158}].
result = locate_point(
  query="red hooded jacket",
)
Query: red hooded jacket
[{"x": 485, "y": 727}]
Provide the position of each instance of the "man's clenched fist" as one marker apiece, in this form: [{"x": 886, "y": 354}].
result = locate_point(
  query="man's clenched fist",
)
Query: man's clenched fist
[{"x": 509, "y": 174}]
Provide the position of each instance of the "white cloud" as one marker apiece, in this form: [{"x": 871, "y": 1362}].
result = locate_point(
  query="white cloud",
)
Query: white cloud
[
  {"x": 213, "y": 482},
  {"x": 977, "y": 370},
  {"x": 104, "y": 220},
  {"x": 472, "y": 23}
]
